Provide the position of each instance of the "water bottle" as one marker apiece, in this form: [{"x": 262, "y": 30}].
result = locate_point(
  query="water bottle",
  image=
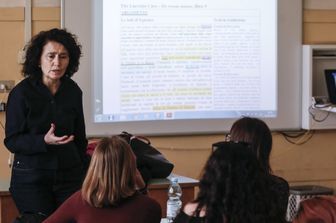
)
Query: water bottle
[{"x": 174, "y": 202}]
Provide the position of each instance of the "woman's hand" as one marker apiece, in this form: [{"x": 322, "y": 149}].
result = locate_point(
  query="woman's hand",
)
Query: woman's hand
[
  {"x": 140, "y": 183},
  {"x": 51, "y": 139}
]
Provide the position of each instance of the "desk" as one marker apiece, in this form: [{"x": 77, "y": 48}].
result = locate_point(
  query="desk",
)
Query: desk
[
  {"x": 8, "y": 211},
  {"x": 157, "y": 189}
]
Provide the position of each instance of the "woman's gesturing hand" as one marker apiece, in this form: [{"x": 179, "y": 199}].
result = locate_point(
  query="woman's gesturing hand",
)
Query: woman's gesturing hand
[{"x": 51, "y": 139}]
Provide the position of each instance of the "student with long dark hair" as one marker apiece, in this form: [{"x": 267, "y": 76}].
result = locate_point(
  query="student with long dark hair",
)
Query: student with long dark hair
[
  {"x": 233, "y": 189},
  {"x": 256, "y": 133}
]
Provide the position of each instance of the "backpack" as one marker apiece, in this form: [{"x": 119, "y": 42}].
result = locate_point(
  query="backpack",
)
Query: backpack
[{"x": 150, "y": 162}]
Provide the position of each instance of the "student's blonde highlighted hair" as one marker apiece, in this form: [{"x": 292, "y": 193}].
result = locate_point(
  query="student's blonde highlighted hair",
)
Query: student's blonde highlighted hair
[{"x": 111, "y": 174}]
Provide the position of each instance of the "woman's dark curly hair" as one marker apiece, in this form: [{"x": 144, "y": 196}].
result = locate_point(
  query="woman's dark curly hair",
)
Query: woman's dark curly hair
[
  {"x": 255, "y": 132},
  {"x": 34, "y": 50},
  {"x": 235, "y": 189}
]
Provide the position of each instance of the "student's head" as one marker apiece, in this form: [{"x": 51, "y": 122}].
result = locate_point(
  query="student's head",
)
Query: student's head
[
  {"x": 255, "y": 132},
  {"x": 235, "y": 186},
  {"x": 317, "y": 210},
  {"x": 35, "y": 48},
  {"x": 111, "y": 176}
]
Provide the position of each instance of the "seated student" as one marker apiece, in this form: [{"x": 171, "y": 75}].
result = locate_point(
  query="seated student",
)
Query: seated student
[
  {"x": 109, "y": 192},
  {"x": 317, "y": 210},
  {"x": 256, "y": 133},
  {"x": 233, "y": 189}
]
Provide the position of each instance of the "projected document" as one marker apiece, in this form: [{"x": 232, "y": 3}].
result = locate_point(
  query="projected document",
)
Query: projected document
[{"x": 187, "y": 60}]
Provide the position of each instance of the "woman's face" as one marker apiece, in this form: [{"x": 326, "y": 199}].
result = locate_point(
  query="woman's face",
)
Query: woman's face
[{"x": 54, "y": 61}]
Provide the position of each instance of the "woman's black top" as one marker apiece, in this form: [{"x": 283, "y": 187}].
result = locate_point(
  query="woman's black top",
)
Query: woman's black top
[
  {"x": 281, "y": 188},
  {"x": 31, "y": 109}
]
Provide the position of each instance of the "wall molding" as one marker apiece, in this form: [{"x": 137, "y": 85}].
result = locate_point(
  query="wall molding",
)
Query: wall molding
[
  {"x": 318, "y": 4},
  {"x": 319, "y": 26},
  {"x": 35, "y": 3}
]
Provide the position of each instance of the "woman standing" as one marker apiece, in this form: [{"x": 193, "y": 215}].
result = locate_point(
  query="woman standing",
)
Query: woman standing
[{"x": 45, "y": 125}]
